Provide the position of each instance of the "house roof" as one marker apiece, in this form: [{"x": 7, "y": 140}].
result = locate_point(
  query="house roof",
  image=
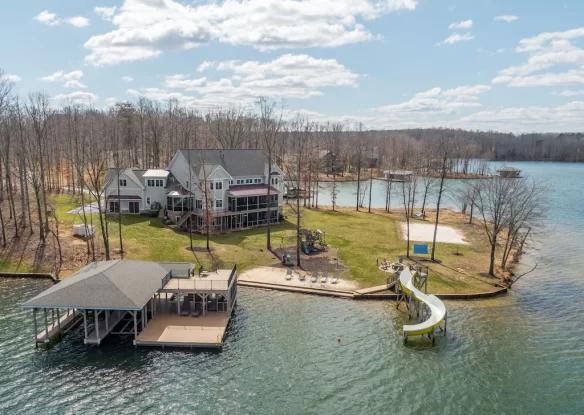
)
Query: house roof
[
  {"x": 236, "y": 162},
  {"x": 117, "y": 284},
  {"x": 251, "y": 190},
  {"x": 137, "y": 175},
  {"x": 156, "y": 173}
]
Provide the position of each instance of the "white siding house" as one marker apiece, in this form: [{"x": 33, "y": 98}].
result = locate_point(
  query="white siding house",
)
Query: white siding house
[
  {"x": 134, "y": 190},
  {"x": 240, "y": 189}
]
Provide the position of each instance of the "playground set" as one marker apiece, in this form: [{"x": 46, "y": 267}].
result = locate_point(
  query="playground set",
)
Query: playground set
[{"x": 310, "y": 242}]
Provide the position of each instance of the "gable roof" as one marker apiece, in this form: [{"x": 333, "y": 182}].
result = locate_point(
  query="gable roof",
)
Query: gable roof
[
  {"x": 236, "y": 162},
  {"x": 117, "y": 284},
  {"x": 136, "y": 175}
]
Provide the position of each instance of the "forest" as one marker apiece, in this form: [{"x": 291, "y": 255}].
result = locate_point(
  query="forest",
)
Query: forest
[{"x": 47, "y": 149}]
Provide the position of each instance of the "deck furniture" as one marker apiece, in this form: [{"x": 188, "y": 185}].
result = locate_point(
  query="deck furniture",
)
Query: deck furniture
[
  {"x": 314, "y": 277},
  {"x": 324, "y": 278},
  {"x": 288, "y": 274},
  {"x": 302, "y": 277},
  {"x": 335, "y": 279}
]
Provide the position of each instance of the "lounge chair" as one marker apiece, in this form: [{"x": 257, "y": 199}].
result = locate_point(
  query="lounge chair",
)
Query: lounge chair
[
  {"x": 335, "y": 277},
  {"x": 302, "y": 277},
  {"x": 314, "y": 276},
  {"x": 288, "y": 274},
  {"x": 324, "y": 278}
]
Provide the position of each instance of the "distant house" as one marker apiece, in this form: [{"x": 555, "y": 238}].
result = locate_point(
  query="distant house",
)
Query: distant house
[
  {"x": 232, "y": 184},
  {"x": 509, "y": 172},
  {"x": 329, "y": 162},
  {"x": 134, "y": 190}
]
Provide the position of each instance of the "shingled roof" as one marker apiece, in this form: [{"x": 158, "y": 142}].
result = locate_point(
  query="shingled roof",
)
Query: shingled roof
[
  {"x": 117, "y": 284},
  {"x": 236, "y": 162}
]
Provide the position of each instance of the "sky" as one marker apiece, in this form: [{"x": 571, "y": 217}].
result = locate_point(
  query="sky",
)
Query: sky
[{"x": 505, "y": 65}]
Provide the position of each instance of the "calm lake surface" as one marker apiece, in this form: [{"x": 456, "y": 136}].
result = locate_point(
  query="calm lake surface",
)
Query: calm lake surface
[{"x": 519, "y": 354}]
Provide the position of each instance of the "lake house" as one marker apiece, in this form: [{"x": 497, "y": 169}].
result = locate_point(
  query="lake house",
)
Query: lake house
[{"x": 233, "y": 188}]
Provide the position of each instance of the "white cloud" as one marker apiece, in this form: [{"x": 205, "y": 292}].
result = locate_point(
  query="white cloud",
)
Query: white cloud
[
  {"x": 561, "y": 118},
  {"x": 78, "y": 97},
  {"x": 47, "y": 18},
  {"x": 547, "y": 50},
  {"x": 105, "y": 13},
  {"x": 127, "y": 78},
  {"x": 288, "y": 76},
  {"x": 62, "y": 76},
  {"x": 569, "y": 93},
  {"x": 74, "y": 84},
  {"x": 77, "y": 21},
  {"x": 146, "y": 29},
  {"x": 12, "y": 78},
  {"x": 51, "y": 19},
  {"x": 465, "y": 24},
  {"x": 109, "y": 103},
  {"x": 206, "y": 65},
  {"x": 506, "y": 18},
  {"x": 457, "y": 37},
  {"x": 439, "y": 100}
]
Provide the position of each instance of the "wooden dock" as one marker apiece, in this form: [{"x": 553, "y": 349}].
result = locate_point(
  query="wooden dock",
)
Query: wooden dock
[{"x": 183, "y": 331}]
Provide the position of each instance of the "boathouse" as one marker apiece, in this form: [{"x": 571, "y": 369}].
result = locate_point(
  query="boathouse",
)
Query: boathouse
[
  {"x": 509, "y": 172},
  {"x": 158, "y": 303}
]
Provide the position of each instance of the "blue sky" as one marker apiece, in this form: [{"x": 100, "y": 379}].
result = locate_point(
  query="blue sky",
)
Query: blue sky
[{"x": 485, "y": 64}]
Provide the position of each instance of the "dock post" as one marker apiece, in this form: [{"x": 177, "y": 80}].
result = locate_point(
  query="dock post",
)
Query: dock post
[
  {"x": 135, "y": 326},
  {"x": 85, "y": 324},
  {"x": 96, "y": 317},
  {"x": 59, "y": 322},
  {"x": 46, "y": 325},
  {"x": 34, "y": 322}
]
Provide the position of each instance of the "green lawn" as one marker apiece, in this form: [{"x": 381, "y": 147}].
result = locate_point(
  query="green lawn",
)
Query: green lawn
[{"x": 360, "y": 237}]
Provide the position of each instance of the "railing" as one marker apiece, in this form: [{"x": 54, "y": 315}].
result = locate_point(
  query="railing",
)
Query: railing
[
  {"x": 182, "y": 273},
  {"x": 200, "y": 285},
  {"x": 232, "y": 275}
]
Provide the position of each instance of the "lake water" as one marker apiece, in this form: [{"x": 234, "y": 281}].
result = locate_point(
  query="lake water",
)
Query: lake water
[{"x": 518, "y": 354}]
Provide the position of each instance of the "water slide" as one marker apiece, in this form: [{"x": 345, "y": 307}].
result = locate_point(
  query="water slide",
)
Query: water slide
[{"x": 435, "y": 305}]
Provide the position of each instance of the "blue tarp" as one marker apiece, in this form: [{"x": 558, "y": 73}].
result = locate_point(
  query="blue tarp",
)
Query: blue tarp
[{"x": 421, "y": 249}]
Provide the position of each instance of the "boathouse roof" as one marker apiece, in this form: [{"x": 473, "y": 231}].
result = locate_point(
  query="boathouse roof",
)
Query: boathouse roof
[{"x": 114, "y": 285}]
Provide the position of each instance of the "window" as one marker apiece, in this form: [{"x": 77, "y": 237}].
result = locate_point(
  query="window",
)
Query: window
[
  {"x": 219, "y": 203},
  {"x": 239, "y": 181},
  {"x": 211, "y": 185},
  {"x": 257, "y": 180},
  {"x": 218, "y": 185},
  {"x": 230, "y": 181},
  {"x": 248, "y": 181},
  {"x": 123, "y": 183},
  {"x": 155, "y": 183},
  {"x": 275, "y": 181},
  {"x": 187, "y": 184},
  {"x": 199, "y": 204},
  {"x": 147, "y": 200}
]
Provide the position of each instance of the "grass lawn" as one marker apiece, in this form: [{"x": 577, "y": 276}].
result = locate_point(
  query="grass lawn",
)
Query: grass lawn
[{"x": 360, "y": 238}]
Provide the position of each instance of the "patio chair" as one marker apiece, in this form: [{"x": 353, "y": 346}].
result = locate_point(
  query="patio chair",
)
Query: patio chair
[
  {"x": 324, "y": 278},
  {"x": 335, "y": 277},
  {"x": 314, "y": 276},
  {"x": 302, "y": 277},
  {"x": 288, "y": 274}
]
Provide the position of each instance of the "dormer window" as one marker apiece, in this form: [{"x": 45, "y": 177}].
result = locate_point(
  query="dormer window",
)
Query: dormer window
[{"x": 123, "y": 183}]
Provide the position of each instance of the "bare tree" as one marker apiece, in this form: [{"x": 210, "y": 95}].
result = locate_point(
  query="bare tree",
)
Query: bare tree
[
  {"x": 444, "y": 149},
  {"x": 506, "y": 205},
  {"x": 270, "y": 124}
]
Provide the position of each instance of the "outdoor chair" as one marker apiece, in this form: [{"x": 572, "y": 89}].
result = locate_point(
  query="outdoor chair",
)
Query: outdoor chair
[
  {"x": 314, "y": 276},
  {"x": 302, "y": 277},
  {"x": 288, "y": 274},
  {"x": 324, "y": 278},
  {"x": 335, "y": 277}
]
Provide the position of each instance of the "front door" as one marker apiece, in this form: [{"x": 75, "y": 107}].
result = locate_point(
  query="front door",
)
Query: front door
[{"x": 134, "y": 207}]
